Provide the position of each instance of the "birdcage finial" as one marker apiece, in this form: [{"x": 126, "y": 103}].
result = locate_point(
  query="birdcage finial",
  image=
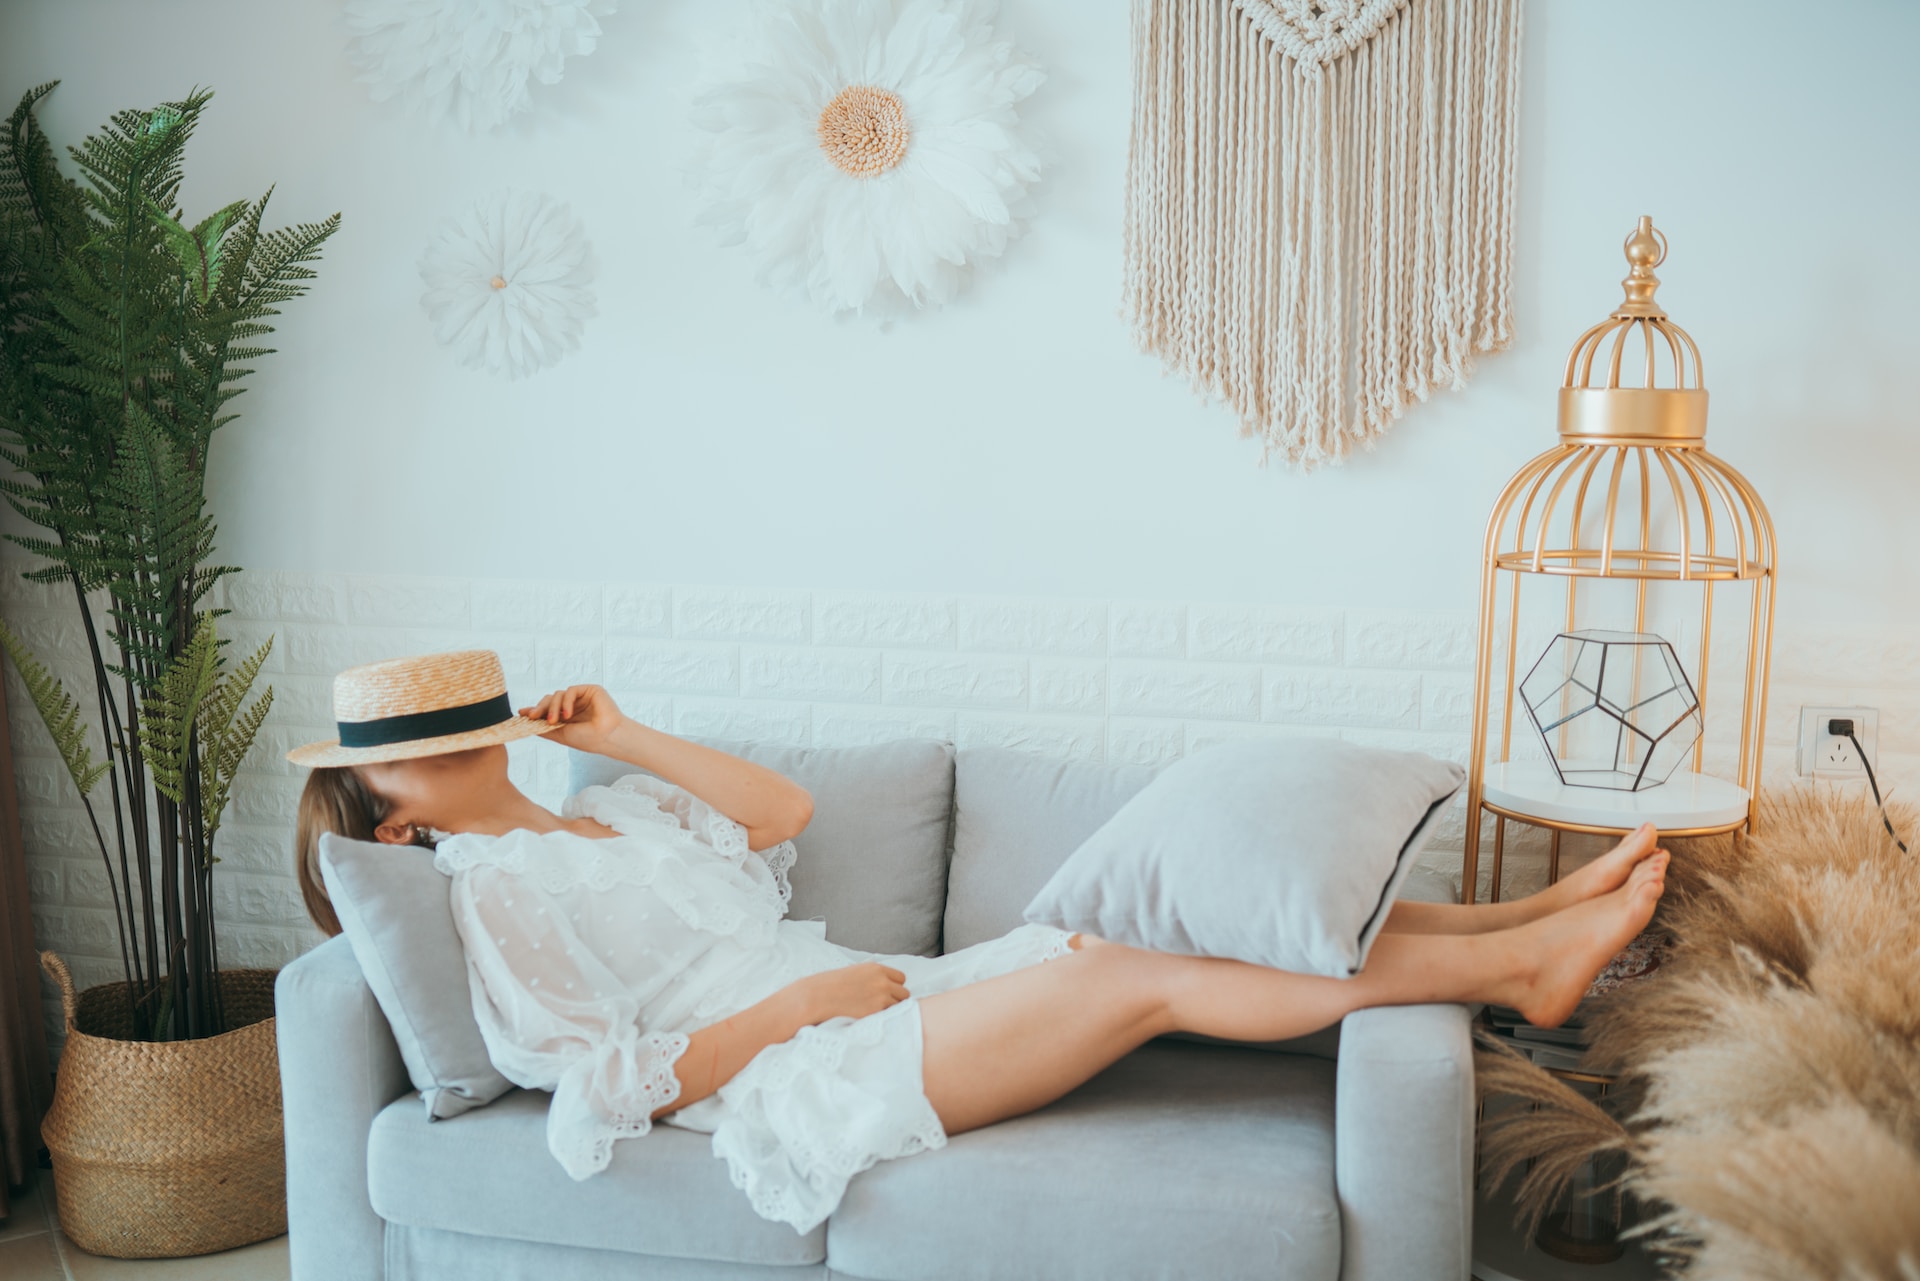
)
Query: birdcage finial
[
  {"x": 1636, "y": 375},
  {"x": 1646, "y": 249}
]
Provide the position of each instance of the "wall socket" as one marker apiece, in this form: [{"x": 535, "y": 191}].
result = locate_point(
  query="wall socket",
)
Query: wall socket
[{"x": 1831, "y": 756}]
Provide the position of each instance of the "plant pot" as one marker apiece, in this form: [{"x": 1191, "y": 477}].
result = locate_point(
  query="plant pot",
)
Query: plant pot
[{"x": 167, "y": 1148}]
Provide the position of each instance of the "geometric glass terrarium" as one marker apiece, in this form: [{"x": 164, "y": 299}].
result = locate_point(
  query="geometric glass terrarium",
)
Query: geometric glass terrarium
[{"x": 1613, "y": 708}]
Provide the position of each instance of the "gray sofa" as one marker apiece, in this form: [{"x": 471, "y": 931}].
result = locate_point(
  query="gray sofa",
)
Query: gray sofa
[{"x": 1347, "y": 1155}]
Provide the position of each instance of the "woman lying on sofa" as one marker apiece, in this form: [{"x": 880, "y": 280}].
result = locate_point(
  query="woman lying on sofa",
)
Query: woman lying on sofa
[{"x": 632, "y": 955}]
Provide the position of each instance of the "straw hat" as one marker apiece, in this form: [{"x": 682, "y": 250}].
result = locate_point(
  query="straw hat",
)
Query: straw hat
[{"x": 410, "y": 707}]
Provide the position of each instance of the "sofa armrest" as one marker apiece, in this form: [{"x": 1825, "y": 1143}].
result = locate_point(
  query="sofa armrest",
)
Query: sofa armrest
[
  {"x": 339, "y": 1065},
  {"x": 1403, "y": 1144}
]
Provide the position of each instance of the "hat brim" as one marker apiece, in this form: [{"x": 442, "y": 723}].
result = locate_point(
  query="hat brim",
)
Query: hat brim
[{"x": 329, "y": 751}]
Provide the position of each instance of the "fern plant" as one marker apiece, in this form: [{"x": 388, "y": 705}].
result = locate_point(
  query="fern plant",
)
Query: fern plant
[{"x": 125, "y": 333}]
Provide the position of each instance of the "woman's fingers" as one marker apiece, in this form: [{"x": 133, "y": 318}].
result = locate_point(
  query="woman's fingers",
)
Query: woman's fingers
[{"x": 897, "y": 976}]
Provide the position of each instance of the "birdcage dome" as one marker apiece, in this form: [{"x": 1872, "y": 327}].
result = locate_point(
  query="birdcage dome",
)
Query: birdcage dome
[{"x": 1631, "y": 491}]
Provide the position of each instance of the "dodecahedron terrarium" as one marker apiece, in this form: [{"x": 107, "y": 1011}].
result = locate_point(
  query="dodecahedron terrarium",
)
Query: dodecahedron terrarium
[{"x": 1614, "y": 709}]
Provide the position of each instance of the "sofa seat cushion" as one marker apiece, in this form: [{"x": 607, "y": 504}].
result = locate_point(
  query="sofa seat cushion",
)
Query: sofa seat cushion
[
  {"x": 1179, "y": 1161},
  {"x": 488, "y": 1173}
]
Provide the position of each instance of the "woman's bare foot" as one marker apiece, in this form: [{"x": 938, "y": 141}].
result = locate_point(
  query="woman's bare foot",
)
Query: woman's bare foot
[
  {"x": 1560, "y": 955},
  {"x": 1603, "y": 875}
]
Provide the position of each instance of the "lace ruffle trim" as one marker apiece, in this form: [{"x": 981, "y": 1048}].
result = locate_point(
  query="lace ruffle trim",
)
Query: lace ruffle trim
[{"x": 586, "y": 1153}]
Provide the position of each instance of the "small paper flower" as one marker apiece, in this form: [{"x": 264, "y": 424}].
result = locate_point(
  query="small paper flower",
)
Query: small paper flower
[
  {"x": 868, "y": 150},
  {"x": 509, "y": 283}
]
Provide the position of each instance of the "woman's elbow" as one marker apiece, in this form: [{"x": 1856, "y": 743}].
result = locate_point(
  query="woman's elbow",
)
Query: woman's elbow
[{"x": 795, "y": 813}]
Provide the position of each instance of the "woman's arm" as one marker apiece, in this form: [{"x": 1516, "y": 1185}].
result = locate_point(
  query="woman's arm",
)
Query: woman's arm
[
  {"x": 716, "y": 1054},
  {"x": 772, "y": 807}
]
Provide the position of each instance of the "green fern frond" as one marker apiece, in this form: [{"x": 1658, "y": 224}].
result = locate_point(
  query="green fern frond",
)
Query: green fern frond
[
  {"x": 172, "y": 708},
  {"x": 58, "y": 711}
]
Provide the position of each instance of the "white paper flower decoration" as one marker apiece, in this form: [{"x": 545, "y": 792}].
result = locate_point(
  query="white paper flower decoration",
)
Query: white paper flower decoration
[
  {"x": 468, "y": 60},
  {"x": 868, "y": 150},
  {"x": 509, "y": 283}
]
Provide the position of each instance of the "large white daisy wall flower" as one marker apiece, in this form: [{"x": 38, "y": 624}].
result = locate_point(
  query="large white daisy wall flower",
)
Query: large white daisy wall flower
[
  {"x": 509, "y": 283},
  {"x": 468, "y": 60},
  {"x": 867, "y": 151}
]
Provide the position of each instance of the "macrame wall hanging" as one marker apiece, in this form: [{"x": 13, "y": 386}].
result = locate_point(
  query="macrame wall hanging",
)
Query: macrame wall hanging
[{"x": 1320, "y": 205}]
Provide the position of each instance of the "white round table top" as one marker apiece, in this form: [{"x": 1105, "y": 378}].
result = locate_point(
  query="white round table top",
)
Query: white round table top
[{"x": 1684, "y": 802}]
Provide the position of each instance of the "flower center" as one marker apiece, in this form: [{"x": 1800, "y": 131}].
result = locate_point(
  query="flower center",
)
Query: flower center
[
  {"x": 864, "y": 131},
  {"x": 498, "y": 282}
]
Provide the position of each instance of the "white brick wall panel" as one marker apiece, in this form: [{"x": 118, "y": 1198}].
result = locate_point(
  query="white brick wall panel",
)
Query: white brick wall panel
[
  {"x": 513, "y": 606},
  {"x": 1448, "y": 747},
  {"x": 560, "y": 661},
  {"x": 41, "y": 780},
  {"x": 672, "y": 667},
  {"x": 741, "y": 721},
  {"x": 87, "y": 883},
  {"x": 377, "y": 644},
  {"x": 1250, "y": 633},
  {"x": 956, "y": 681},
  {"x": 271, "y": 745},
  {"x": 1145, "y": 742},
  {"x": 1213, "y": 690},
  {"x": 43, "y": 880},
  {"x": 315, "y": 649},
  {"x": 1446, "y": 702},
  {"x": 1144, "y": 629},
  {"x": 264, "y": 947},
  {"x": 1815, "y": 653},
  {"x": 244, "y": 637},
  {"x": 277, "y": 596},
  {"x": 1080, "y": 738},
  {"x": 65, "y": 832},
  {"x": 243, "y": 846},
  {"x": 648, "y": 709},
  {"x": 840, "y": 726},
  {"x": 889, "y": 621},
  {"x": 638, "y": 610},
  {"x": 1380, "y": 700},
  {"x": 19, "y": 592},
  {"x": 395, "y": 600},
  {"x": 1392, "y": 638},
  {"x": 1069, "y": 685},
  {"x": 834, "y": 675},
  {"x": 302, "y": 700},
  {"x": 258, "y": 900},
  {"x": 740, "y": 614},
  {"x": 1024, "y": 626},
  {"x": 1204, "y": 734},
  {"x": 266, "y": 800},
  {"x": 65, "y": 930},
  {"x": 53, "y": 636}
]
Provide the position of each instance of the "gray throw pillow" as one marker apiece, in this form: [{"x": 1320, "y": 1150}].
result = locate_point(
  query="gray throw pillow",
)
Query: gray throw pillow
[
  {"x": 1283, "y": 852},
  {"x": 873, "y": 862},
  {"x": 397, "y": 912}
]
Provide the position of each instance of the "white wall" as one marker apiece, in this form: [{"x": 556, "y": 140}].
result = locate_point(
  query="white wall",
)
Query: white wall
[
  {"x": 1011, "y": 447},
  {"x": 1014, "y": 442}
]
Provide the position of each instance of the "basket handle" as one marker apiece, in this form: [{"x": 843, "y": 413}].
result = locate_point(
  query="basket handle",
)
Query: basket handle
[{"x": 57, "y": 971}]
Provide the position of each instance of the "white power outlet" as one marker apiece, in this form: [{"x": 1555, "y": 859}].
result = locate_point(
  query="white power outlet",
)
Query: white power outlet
[{"x": 1832, "y": 756}]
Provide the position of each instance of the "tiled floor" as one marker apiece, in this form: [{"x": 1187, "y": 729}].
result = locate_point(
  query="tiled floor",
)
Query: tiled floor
[{"x": 32, "y": 1248}]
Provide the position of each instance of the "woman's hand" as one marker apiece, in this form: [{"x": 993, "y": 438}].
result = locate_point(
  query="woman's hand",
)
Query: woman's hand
[
  {"x": 586, "y": 717},
  {"x": 853, "y": 991}
]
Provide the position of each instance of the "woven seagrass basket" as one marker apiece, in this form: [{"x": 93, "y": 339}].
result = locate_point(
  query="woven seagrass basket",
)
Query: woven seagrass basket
[{"x": 167, "y": 1148}]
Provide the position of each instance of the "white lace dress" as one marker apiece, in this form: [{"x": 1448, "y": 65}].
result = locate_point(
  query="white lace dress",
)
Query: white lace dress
[{"x": 590, "y": 961}]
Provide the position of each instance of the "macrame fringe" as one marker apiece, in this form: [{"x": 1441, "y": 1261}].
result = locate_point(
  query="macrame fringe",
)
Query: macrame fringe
[{"x": 1321, "y": 234}]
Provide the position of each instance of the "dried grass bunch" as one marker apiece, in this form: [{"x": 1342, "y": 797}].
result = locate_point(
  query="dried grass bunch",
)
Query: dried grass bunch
[{"x": 1771, "y": 1075}]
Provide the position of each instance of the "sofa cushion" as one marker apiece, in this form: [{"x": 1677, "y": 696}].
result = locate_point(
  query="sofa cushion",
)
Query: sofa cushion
[
  {"x": 1179, "y": 1161},
  {"x": 873, "y": 862},
  {"x": 489, "y": 1173},
  {"x": 394, "y": 907},
  {"x": 1017, "y": 816},
  {"x": 1283, "y": 852}
]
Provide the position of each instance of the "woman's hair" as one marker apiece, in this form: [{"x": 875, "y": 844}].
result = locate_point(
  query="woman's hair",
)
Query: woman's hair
[{"x": 336, "y": 800}]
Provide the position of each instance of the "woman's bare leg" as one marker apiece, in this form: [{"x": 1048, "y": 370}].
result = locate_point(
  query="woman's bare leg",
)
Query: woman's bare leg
[
  {"x": 1006, "y": 1046},
  {"x": 1601, "y": 876}
]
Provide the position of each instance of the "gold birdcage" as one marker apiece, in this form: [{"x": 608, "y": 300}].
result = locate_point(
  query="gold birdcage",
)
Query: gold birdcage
[{"x": 1628, "y": 510}]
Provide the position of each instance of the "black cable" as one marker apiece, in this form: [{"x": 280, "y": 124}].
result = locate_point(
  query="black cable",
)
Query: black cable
[{"x": 1874, "y": 784}]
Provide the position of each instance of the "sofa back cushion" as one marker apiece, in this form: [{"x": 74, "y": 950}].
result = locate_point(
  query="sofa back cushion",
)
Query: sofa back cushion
[
  {"x": 396, "y": 910},
  {"x": 873, "y": 862},
  {"x": 1017, "y": 817}
]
